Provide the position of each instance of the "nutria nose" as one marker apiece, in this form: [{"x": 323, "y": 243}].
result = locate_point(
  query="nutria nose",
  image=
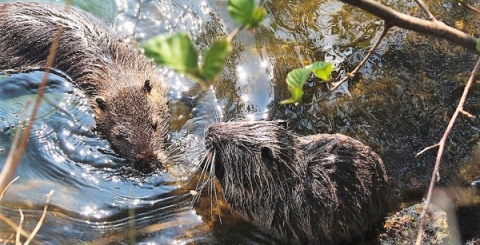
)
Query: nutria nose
[{"x": 147, "y": 162}]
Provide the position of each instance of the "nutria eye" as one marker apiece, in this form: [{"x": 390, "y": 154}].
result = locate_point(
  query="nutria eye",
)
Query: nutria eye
[
  {"x": 101, "y": 103},
  {"x": 147, "y": 86},
  {"x": 154, "y": 126},
  {"x": 121, "y": 136},
  {"x": 267, "y": 155}
]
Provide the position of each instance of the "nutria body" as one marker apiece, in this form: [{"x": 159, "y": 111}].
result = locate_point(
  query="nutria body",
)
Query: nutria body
[
  {"x": 318, "y": 189},
  {"x": 126, "y": 94}
]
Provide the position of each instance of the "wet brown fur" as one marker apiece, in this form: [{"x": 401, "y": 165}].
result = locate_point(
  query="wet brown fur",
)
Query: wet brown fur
[
  {"x": 318, "y": 189},
  {"x": 127, "y": 96}
]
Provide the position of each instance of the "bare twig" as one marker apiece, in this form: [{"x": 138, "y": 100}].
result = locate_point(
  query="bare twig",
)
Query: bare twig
[
  {"x": 468, "y": 114},
  {"x": 239, "y": 29},
  {"x": 425, "y": 9},
  {"x": 354, "y": 72},
  {"x": 426, "y": 149},
  {"x": 235, "y": 33},
  {"x": 434, "y": 28},
  {"x": 441, "y": 146},
  {"x": 468, "y": 6}
]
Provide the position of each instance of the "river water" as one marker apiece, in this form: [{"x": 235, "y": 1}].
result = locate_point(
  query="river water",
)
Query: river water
[{"x": 400, "y": 103}]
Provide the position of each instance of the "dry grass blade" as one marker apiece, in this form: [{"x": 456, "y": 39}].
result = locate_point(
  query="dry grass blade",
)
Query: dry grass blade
[
  {"x": 14, "y": 226},
  {"x": 146, "y": 230},
  {"x": 40, "y": 222},
  {"x": 20, "y": 224},
  {"x": 8, "y": 186}
]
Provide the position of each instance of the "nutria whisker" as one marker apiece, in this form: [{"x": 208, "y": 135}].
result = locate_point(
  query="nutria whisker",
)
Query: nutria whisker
[{"x": 206, "y": 180}]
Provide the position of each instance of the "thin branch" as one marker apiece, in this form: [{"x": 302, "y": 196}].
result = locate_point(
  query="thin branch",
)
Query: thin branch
[
  {"x": 425, "y": 9},
  {"x": 434, "y": 28},
  {"x": 441, "y": 145},
  {"x": 235, "y": 33},
  {"x": 468, "y": 114},
  {"x": 239, "y": 29},
  {"x": 426, "y": 149},
  {"x": 354, "y": 72},
  {"x": 468, "y": 6}
]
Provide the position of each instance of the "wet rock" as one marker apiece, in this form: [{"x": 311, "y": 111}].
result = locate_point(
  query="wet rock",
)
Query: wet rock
[{"x": 402, "y": 227}]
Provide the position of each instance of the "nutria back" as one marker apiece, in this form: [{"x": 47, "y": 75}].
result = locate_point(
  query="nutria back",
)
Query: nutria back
[
  {"x": 318, "y": 189},
  {"x": 124, "y": 89}
]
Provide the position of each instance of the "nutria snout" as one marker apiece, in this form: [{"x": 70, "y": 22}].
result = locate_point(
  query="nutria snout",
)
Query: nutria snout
[
  {"x": 318, "y": 189},
  {"x": 124, "y": 89}
]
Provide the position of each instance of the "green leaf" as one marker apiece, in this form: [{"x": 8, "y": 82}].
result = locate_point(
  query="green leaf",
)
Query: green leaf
[
  {"x": 321, "y": 69},
  {"x": 174, "y": 51},
  {"x": 478, "y": 45},
  {"x": 258, "y": 16},
  {"x": 297, "y": 95},
  {"x": 215, "y": 59},
  {"x": 297, "y": 77},
  {"x": 295, "y": 81},
  {"x": 241, "y": 11},
  {"x": 288, "y": 101}
]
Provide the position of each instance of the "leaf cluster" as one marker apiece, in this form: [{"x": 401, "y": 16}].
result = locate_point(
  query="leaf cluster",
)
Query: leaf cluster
[{"x": 177, "y": 52}]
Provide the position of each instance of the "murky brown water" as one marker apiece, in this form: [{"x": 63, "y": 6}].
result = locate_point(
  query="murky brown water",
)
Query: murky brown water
[{"x": 400, "y": 103}]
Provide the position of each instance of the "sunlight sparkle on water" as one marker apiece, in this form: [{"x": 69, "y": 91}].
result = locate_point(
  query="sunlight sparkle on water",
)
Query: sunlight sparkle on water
[
  {"x": 136, "y": 202},
  {"x": 58, "y": 158},
  {"x": 204, "y": 8},
  {"x": 264, "y": 64},
  {"x": 250, "y": 117},
  {"x": 69, "y": 146},
  {"x": 242, "y": 75},
  {"x": 126, "y": 27},
  {"x": 92, "y": 211},
  {"x": 89, "y": 177},
  {"x": 265, "y": 114}
]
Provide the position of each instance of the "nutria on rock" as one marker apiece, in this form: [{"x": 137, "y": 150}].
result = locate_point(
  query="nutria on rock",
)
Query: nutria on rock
[
  {"x": 318, "y": 189},
  {"x": 126, "y": 94}
]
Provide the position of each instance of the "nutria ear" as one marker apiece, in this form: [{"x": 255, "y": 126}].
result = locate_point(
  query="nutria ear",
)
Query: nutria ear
[
  {"x": 101, "y": 103},
  {"x": 283, "y": 124},
  {"x": 147, "y": 86}
]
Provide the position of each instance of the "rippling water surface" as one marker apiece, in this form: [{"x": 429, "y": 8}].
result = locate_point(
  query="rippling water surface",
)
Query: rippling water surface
[{"x": 399, "y": 104}]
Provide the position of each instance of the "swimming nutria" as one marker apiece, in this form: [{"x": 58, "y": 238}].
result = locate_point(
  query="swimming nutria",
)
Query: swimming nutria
[
  {"x": 318, "y": 189},
  {"x": 126, "y": 94}
]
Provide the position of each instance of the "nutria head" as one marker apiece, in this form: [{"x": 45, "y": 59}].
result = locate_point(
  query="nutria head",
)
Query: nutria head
[
  {"x": 134, "y": 124},
  {"x": 123, "y": 87},
  {"x": 257, "y": 156}
]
